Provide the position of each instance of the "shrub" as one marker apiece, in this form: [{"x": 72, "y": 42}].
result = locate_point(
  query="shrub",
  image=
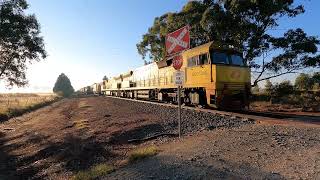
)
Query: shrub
[
  {"x": 268, "y": 87},
  {"x": 281, "y": 90},
  {"x": 311, "y": 101},
  {"x": 94, "y": 172},
  {"x": 316, "y": 87},
  {"x": 143, "y": 153},
  {"x": 303, "y": 82}
]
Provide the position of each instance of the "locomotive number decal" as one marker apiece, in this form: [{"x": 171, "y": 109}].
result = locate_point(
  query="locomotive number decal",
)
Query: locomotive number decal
[{"x": 235, "y": 74}]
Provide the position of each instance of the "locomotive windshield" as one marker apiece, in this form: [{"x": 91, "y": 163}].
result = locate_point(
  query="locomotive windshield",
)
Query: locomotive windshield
[
  {"x": 220, "y": 58},
  {"x": 236, "y": 60},
  {"x": 226, "y": 58}
]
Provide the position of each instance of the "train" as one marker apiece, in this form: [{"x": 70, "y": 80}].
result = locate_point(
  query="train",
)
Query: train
[{"x": 214, "y": 75}]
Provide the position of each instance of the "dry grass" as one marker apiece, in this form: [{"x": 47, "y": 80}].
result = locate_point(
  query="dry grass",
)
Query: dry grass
[
  {"x": 103, "y": 169},
  {"x": 93, "y": 173},
  {"x": 15, "y": 104},
  {"x": 268, "y": 106},
  {"x": 143, "y": 153},
  {"x": 81, "y": 124}
]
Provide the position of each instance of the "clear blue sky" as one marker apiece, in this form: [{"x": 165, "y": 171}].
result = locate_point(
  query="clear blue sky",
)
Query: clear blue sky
[{"x": 87, "y": 39}]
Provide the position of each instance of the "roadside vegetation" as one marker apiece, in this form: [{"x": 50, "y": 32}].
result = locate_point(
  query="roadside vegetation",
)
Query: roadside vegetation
[
  {"x": 143, "y": 153},
  {"x": 93, "y": 173},
  {"x": 303, "y": 95},
  {"x": 101, "y": 170},
  {"x": 12, "y": 105}
]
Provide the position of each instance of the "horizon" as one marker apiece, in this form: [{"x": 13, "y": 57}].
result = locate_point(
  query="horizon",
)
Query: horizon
[{"x": 88, "y": 40}]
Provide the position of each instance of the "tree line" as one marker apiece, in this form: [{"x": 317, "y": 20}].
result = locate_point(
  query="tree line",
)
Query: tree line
[
  {"x": 304, "y": 92},
  {"x": 303, "y": 82}
]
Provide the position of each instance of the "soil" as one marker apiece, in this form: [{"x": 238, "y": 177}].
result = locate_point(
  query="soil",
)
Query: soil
[
  {"x": 248, "y": 152},
  {"x": 285, "y": 109},
  {"x": 66, "y": 137},
  {"x": 73, "y": 134}
]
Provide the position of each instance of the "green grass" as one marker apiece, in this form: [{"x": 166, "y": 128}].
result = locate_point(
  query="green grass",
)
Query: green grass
[
  {"x": 143, "y": 153},
  {"x": 94, "y": 172}
]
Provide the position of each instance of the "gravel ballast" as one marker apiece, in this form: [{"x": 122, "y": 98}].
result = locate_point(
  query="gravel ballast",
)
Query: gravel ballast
[{"x": 191, "y": 120}]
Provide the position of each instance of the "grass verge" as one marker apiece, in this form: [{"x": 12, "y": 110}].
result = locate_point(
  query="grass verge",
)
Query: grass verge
[
  {"x": 18, "y": 111},
  {"x": 143, "y": 153},
  {"x": 94, "y": 172}
]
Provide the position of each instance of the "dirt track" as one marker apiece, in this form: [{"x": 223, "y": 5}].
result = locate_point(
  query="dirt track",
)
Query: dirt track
[
  {"x": 66, "y": 137},
  {"x": 72, "y": 135}
]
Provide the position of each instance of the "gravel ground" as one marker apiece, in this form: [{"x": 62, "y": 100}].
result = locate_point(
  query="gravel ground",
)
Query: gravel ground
[
  {"x": 192, "y": 120},
  {"x": 247, "y": 152}
]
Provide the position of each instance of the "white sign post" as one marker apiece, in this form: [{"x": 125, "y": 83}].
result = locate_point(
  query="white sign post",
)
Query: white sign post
[{"x": 179, "y": 80}]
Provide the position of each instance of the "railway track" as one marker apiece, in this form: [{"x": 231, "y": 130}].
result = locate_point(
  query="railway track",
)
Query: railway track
[{"x": 259, "y": 117}]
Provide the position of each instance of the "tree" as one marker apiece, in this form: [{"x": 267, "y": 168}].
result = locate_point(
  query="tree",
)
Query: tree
[
  {"x": 255, "y": 89},
  {"x": 246, "y": 26},
  {"x": 315, "y": 78},
  {"x": 268, "y": 87},
  {"x": 153, "y": 42},
  {"x": 105, "y": 78},
  {"x": 303, "y": 82},
  {"x": 316, "y": 87},
  {"x": 63, "y": 86},
  {"x": 283, "y": 89},
  {"x": 20, "y": 41}
]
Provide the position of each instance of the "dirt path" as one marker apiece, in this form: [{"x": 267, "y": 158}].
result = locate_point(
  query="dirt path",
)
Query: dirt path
[
  {"x": 248, "y": 152},
  {"x": 68, "y": 136}
]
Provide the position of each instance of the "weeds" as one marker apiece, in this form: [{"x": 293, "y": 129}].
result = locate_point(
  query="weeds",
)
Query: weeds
[
  {"x": 143, "y": 153},
  {"x": 81, "y": 124},
  {"x": 94, "y": 172}
]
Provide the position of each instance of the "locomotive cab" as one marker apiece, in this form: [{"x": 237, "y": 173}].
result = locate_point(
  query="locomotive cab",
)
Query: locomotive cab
[
  {"x": 216, "y": 76},
  {"x": 232, "y": 79}
]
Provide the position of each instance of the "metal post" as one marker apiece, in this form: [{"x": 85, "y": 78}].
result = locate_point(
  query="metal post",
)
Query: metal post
[{"x": 179, "y": 110}]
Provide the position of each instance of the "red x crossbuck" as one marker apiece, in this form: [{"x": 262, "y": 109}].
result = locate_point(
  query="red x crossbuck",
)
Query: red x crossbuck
[{"x": 178, "y": 41}]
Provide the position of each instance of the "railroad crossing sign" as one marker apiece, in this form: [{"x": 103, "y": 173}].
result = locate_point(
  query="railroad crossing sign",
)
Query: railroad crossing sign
[
  {"x": 177, "y": 62},
  {"x": 179, "y": 78},
  {"x": 178, "y": 40}
]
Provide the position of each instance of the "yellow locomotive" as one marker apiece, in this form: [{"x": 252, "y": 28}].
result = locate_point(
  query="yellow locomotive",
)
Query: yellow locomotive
[{"x": 214, "y": 76}]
